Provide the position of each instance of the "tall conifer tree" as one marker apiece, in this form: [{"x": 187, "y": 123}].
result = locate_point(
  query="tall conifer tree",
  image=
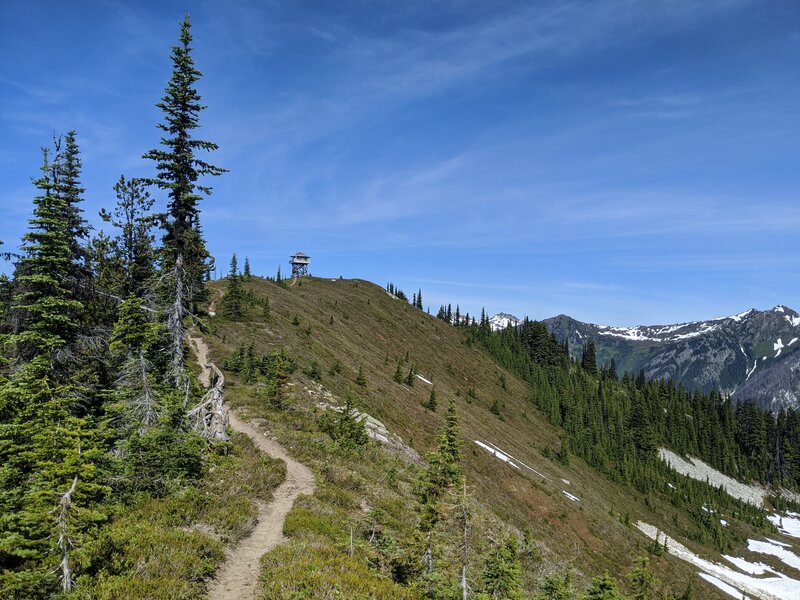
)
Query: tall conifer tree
[
  {"x": 47, "y": 313},
  {"x": 48, "y": 445},
  {"x": 178, "y": 172}
]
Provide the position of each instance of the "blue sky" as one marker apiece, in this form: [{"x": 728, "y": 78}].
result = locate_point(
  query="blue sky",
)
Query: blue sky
[{"x": 624, "y": 162}]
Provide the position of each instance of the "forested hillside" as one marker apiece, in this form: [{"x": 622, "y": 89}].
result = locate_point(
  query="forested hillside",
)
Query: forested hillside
[
  {"x": 616, "y": 423},
  {"x": 749, "y": 355},
  {"x": 103, "y": 455}
]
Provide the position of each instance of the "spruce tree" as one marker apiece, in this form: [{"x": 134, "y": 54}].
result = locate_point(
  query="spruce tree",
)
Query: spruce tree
[
  {"x": 557, "y": 586},
  {"x": 398, "y": 374},
  {"x": 49, "y": 445},
  {"x": 502, "y": 573},
  {"x": 450, "y": 446},
  {"x": 68, "y": 186},
  {"x": 603, "y": 588},
  {"x": 431, "y": 403},
  {"x": 133, "y": 246},
  {"x": 442, "y": 475},
  {"x": 410, "y": 377},
  {"x": 233, "y": 300},
  {"x": 246, "y": 272},
  {"x": 135, "y": 344},
  {"x": 179, "y": 169},
  {"x": 642, "y": 580},
  {"x": 589, "y": 358},
  {"x": 360, "y": 379},
  {"x": 46, "y": 314}
]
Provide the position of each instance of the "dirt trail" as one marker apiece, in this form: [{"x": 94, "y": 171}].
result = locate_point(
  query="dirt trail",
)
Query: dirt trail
[{"x": 238, "y": 577}]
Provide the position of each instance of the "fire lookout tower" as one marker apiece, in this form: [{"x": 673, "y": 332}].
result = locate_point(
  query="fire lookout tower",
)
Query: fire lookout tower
[{"x": 299, "y": 262}]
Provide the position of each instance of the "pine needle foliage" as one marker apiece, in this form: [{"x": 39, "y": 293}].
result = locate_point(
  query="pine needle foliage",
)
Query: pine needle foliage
[
  {"x": 502, "y": 572},
  {"x": 178, "y": 165}
]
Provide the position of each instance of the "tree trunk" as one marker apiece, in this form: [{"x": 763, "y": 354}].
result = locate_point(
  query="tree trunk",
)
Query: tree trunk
[{"x": 63, "y": 539}]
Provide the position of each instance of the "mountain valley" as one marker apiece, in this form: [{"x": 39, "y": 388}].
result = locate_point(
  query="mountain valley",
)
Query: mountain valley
[{"x": 750, "y": 356}]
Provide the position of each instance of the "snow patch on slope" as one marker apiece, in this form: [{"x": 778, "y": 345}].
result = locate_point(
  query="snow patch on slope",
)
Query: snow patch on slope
[
  {"x": 766, "y": 588},
  {"x": 753, "y": 370},
  {"x": 788, "y": 524},
  {"x": 787, "y": 557},
  {"x": 498, "y": 454},
  {"x": 721, "y": 585},
  {"x": 697, "y": 469},
  {"x": 748, "y": 567},
  {"x": 506, "y": 457}
]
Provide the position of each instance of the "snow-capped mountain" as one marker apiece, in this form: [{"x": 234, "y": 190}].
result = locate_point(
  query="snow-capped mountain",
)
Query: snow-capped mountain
[
  {"x": 503, "y": 320},
  {"x": 752, "y": 355}
]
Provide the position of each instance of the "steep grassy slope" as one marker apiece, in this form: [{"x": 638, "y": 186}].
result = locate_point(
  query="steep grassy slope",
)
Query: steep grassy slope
[{"x": 357, "y": 325}]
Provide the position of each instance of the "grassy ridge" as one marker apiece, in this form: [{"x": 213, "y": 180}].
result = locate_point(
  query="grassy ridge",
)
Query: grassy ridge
[{"x": 356, "y": 325}]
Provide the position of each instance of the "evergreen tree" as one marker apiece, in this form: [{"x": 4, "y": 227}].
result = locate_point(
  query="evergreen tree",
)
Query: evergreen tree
[
  {"x": 431, "y": 403},
  {"x": 233, "y": 300},
  {"x": 589, "y": 358},
  {"x": 495, "y": 408},
  {"x": 179, "y": 169},
  {"x": 603, "y": 588},
  {"x": 442, "y": 475},
  {"x": 502, "y": 573},
  {"x": 612, "y": 369},
  {"x": 49, "y": 446},
  {"x": 234, "y": 269},
  {"x": 133, "y": 247},
  {"x": 360, "y": 379},
  {"x": 449, "y": 447},
  {"x": 410, "y": 377},
  {"x": 47, "y": 315},
  {"x": 246, "y": 273},
  {"x": 398, "y": 374},
  {"x": 43, "y": 450},
  {"x": 642, "y": 580},
  {"x": 68, "y": 186},
  {"x": 557, "y": 586},
  {"x": 348, "y": 430},
  {"x": 135, "y": 344}
]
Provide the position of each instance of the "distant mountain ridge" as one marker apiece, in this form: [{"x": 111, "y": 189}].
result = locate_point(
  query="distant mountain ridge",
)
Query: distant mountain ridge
[
  {"x": 503, "y": 320},
  {"x": 752, "y": 355}
]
